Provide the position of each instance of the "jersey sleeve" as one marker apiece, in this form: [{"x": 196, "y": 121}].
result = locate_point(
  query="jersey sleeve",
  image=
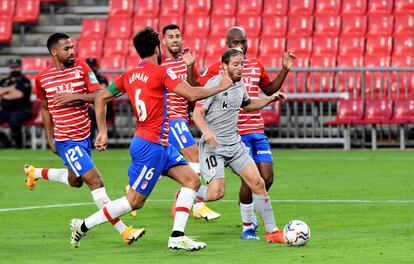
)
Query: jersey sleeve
[
  {"x": 90, "y": 78},
  {"x": 117, "y": 86},
  {"x": 40, "y": 92},
  {"x": 170, "y": 80},
  {"x": 264, "y": 76},
  {"x": 211, "y": 71},
  {"x": 246, "y": 96},
  {"x": 205, "y": 103}
]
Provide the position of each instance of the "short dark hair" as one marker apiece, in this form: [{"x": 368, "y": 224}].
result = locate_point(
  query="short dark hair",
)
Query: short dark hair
[
  {"x": 145, "y": 42},
  {"x": 54, "y": 39},
  {"x": 230, "y": 53},
  {"x": 170, "y": 27}
]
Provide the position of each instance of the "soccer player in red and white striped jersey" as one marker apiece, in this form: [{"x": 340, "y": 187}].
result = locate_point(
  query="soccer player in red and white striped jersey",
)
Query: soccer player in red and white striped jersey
[
  {"x": 65, "y": 89},
  {"x": 181, "y": 62},
  {"x": 250, "y": 124}
]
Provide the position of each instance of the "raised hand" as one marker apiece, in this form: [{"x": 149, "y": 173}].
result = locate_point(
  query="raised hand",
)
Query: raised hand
[
  {"x": 188, "y": 58},
  {"x": 279, "y": 96},
  {"x": 287, "y": 59},
  {"x": 210, "y": 138},
  {"x": 101, "y": 142}
]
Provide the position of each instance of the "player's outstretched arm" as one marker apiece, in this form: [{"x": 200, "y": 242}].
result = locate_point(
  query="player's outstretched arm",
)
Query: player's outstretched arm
[
  {"x": 199, "y": 120},
  {"x": 101, "y": 101},
  {"x": 287, "y": 61},
  {"x": 47, "y": 124},
  {"x": 64, "y": 98},
  {"x": 256, "y": 104}
]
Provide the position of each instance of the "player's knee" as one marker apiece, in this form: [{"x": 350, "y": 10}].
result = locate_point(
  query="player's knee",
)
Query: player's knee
[
  {"x": 268, "y": 183},
  {"x": 137, "y": 204},
  {"x": 194, "y": 183},
  {"x": 216, "y": 194},
  {"x": 76, "y": 183},
  {"x": 258, "y": 185}
]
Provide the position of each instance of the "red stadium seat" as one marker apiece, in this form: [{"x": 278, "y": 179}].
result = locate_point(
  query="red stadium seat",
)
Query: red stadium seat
[
  {"x": 403, "y": 111},
  {"x": 380, "y": 6},
  {"x": 379, "y": 45},
  {"x": 220, "y": 24},
  {"x": 380, "y": 25},
  {"x": 146, "y": 8},
  {"x": 250, "y": 7},
  {"x": 300, "y": 25},
  {"x": 132, "y": 52},
  {"x": 197, "y": 26},
  {"x": 119, "y": 28},
  {"x": 403, "y": 45},
  {"x": 404, "y": 7},
  {"x": 196, "y": 44},
  {"x": 300, "y": 85},
  {"x": 272, "y": 47},
  {"x": 94, "y": 28},
  {"x": 302, "y": 7},
  {"x": 354, "y": 7},
  {"x": 34, "y": 63},
  {"x": 355, "y": 25},
  {"x": 331, "y": 7},
  {"x": 348, "y": 112},
  {"x": 301, "y": 46},
  {"x": 121, "y": 8},
  {"x": 7, "y": 8},
  {"x": 132, "y": 62},
  {"x": 352, "y": 45},
  {"x": 349, "y": 81},
  {"x": 253, "y": 47},
  {"x": 112, "y": 63},
  {"x": 275, "y": 7},
  {"x": 271, "y": 114},
  {"x": 270, "y": 61},
  {"x": 140, "y": 23},
  {"x": 325, "y": 46},
  {"x": 210, "y": 60},
  {"x": 27, "y": 11},
  {"x": 321, "y": 81},
  {"x": 224, "y": 7},
  {"x": 216, "y": 47},
  {"x": 376, "y": 83},
  {"x": 404, "y": 24},
  {"x": 165, "y": 20},
  {"x": 251, "y": 24},
  {"x": 90, "y": 48},
  {"x": 275, "y": 26},
  {"x": 6, "y": 31},
  {"x": 199, "y": 7},
  {"x": 402, "y": 82},
  {"x": 172, "y": 8},
  {"x": 327, "y": 25},
  {"x": 116, "y": 47},
  {"x": 377, "y": 111}
]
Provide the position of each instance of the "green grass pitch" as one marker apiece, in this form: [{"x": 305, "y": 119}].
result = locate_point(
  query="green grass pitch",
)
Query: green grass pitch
[{"x": 358, "y": 204}]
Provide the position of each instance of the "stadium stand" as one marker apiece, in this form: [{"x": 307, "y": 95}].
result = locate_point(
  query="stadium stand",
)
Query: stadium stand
[
  {"x": 121, "y": 8},
  {"x": 146, "y": 8}
]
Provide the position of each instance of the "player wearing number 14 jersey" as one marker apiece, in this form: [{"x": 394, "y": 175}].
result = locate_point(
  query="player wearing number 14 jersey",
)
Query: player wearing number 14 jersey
[
  {"x": 152, "y": 156},
  {"x": 65, "y": 89}
]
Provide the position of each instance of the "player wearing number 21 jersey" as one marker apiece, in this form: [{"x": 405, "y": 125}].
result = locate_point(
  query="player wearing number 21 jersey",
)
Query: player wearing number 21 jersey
[{"x": 152, "y": 156}]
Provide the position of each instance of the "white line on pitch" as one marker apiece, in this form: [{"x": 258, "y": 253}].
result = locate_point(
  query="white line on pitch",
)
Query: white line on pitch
[{"x": 232, "y": 201}]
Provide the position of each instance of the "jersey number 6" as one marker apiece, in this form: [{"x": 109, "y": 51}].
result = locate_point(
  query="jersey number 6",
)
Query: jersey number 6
[{"x": 140, "y": 105}]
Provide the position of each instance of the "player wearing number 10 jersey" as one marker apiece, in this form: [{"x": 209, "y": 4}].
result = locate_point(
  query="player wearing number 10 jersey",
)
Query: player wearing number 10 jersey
[
  {"x": 152, "y": 156},
  {"x": 65, "y": 89}
]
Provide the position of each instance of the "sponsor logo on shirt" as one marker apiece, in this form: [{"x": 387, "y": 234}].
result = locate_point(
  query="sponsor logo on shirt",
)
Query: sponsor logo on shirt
[
  {"x": 179, "y": 158},
  {"x": 65, "y": 88},
  {"x": 264, "y": 152},
  {"x": 228, "y": 105},
  {"x": 171, "y": 74},
  {"x": 92, "y": 77}
]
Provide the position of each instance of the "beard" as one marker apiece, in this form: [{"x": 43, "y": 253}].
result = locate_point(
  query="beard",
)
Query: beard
[{"x": 69, "y": 62}]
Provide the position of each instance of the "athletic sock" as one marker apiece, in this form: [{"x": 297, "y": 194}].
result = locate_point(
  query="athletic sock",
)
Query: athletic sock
[
  {"x": 109, "y": 213},
  {"x": 101, "y": 200},
  {"x": 247, "y": 211},
  {"x": 55, "y": 175},
  {"x": 263, "y": 206},
  {"x": 182, "y": 208},
  {"x": 201, "y": 195}
]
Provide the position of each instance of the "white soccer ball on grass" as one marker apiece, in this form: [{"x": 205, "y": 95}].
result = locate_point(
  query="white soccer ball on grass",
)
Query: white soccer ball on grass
[{"x": 296, "y": 233}]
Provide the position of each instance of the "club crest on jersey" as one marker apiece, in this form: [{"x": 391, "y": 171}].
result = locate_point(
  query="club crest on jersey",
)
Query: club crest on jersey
[
  {"x": 65, "y": 88},
  {"x": 77, "y": 73},
  {"x": 171, "y": 74}
]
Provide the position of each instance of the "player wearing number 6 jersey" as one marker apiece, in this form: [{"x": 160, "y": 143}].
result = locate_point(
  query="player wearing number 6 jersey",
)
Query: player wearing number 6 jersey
[
  {"x": 65, "y": 89},
  {"x": 152, "y": 156}
]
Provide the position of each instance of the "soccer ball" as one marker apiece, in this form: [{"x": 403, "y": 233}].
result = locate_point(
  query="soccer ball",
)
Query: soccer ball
[{"x": 296, "y": 233}]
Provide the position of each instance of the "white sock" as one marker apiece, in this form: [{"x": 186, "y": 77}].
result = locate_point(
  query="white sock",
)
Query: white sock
[
  {"x": 247, "y": 211},
  {"x": 195, "y": 166},
  {"x": 55, "y": 175},
  {"x": 182, "y": 208},
  {"x": 101, "y": 199},
  {"x": 201, "y": 195},
  {"x": 110, "y": 212},
  {"x": 263, "y": 206}
]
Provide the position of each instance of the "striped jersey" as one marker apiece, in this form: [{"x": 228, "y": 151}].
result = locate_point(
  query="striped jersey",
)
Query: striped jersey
[
  {"x": 71, "y": 120},
  {"x": 177, "y": 106},
  {"x": 147, "y": 86},
  {"x": 254, "y": 77}
]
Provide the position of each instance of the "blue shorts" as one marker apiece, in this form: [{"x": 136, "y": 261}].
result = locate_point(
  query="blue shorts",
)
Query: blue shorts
[
  {"x": 179, "y": 135},
  {"x": 149, "y": 162},
  {"x": 76, "y": 155},
  {"x": 259, "y": 147}
]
